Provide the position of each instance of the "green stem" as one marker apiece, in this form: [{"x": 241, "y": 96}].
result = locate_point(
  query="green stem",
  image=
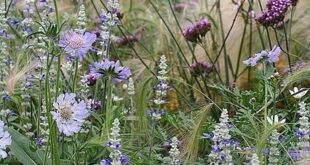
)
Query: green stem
[
  {"x": 56, "y": 13},
  {"x": 108, "y": 107},
  {"x": 75, "y": 73}
]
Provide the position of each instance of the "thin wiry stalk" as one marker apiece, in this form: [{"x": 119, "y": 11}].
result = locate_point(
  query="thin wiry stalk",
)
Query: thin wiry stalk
[
  {"x": 227, "y": 35},
  {"x": 223, "y": 40},
  {"x": 173, "y": 37}
]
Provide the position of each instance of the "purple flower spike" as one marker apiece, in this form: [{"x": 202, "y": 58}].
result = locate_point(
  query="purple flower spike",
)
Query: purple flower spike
[
  {"x": 76, "y": 44},
  {"x": 295, "y": 154}
]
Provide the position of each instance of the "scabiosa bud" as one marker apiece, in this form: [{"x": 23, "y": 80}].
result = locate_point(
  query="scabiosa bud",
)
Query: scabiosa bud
[
  {"x": 89, "y": 79},
  {"x": 179, "y": 7},
  {"x": 125, "y": 40},
  {"x": 274, "y": 13},
  {"x": 201, "y": 67},
  {"x": 195, "y": 32}
]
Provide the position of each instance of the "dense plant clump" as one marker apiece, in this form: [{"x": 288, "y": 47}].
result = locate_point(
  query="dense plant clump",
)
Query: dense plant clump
[{"x": 174, "y": 82}]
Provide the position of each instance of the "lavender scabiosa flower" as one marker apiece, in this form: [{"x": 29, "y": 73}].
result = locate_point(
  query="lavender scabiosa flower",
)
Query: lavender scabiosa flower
[
  {"x": 221, "y": 148},
  {"x": 70, "y": 114},
  {"x": 174, "y": 152},
  {"x": 269, "y": 56},
  {"x": 197, "y": 31},
  {"x": 76, "y": 44},
  {"x": 5, "y": 140},
  {"x": 274, "y": 13},
  {"x": 106, "y": 68}
]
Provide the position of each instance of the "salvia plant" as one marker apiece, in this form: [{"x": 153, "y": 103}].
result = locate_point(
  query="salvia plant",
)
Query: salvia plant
[{"x": 147, "y": 82}]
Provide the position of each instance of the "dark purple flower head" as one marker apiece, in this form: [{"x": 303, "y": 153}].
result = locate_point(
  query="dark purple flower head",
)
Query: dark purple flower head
[
  {"x": 298, "y": 133},
  {"x": 124, "y": 159},
  {"x": 89, "y": 79},
  {"x": 195, "y": 32},
  {"x": 201, "y": 67},
  {"x": 208, "y": 135},
  {"x": 234, "y": 142},
  {"x": 95, "y": 105},
  {"x": 76, "y": 44},
  {"x": 294, "y": 2},
  {"x": 295, "y": 154},
  {"x": 39, "y": 141},
  {"x": 126, "y": 40},
  {"x": 5, "y": 96},
  {"x": 274, "y": 13},
  {"x": 266, "y": 151},
  {"x": 215, "y": 148},
  {"x": 105, "y": 162},
  {"x": 107, "y": 68},
  {"x": 14, "y": 22},
  {"x": 179, "y": 7}
]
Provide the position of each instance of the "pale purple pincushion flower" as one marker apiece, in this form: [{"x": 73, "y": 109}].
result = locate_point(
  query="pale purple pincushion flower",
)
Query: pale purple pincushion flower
[
  {"x": 76, "y": 44},
  {"x": 70, "y": 114},
  {"x": 107, "y": 68},
  {"x": 270, "y": 57}
]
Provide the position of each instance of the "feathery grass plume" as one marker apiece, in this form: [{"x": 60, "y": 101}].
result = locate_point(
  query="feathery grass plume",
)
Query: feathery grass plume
[{"x": 190, "y": 140}]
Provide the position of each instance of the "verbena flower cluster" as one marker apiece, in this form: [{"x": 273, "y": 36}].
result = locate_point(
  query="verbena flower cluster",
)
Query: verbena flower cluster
[
  {"x": 274, "y": 13},
  {"x": 197, "y": 31}
]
